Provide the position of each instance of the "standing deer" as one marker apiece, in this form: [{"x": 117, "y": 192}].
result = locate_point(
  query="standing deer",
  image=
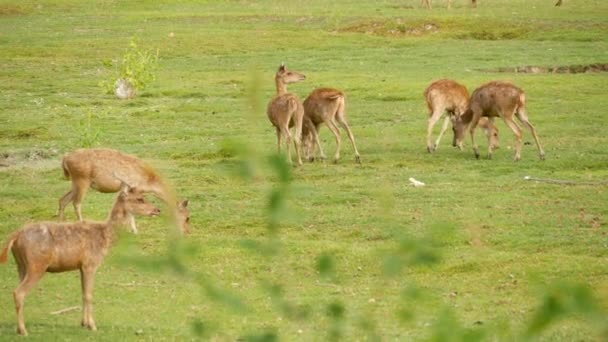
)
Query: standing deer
[
  {"x": 444, "y": 96},
  {"x": 497, "y": 99},
  {"x": 325, "y": 105},
  {"x": 96, "y": 167},
  {"x": 58, "y": 247},
  {"x": 452, "y": 98},
  {"x": 285, "y": 110}
]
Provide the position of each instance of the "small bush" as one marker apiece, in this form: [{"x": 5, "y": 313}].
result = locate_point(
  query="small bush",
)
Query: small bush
[{"x": 136, "y": 69}]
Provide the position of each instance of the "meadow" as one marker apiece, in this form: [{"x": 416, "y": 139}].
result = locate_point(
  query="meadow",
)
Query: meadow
[{"x": 323, "y": 251}]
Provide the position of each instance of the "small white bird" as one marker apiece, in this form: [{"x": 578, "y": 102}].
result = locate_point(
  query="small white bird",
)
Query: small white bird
[{"x": 415, "y": 182}]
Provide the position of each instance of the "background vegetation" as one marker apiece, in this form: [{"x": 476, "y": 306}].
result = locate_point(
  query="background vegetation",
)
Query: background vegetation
[{"x": 324, "y": 251}]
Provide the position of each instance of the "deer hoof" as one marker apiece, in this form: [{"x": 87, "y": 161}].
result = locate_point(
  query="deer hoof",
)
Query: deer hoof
[
  {"x": 358, "y": 159},
  {"x": 542, "y": 156},
  {"x": 22, "y": 331},
  {"x": 430, "y": 149},
  {"x": 489, "y": 156}
]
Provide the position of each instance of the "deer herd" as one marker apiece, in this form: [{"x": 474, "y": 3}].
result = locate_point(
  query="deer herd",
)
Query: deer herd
[{"x": 59, "y": 246}]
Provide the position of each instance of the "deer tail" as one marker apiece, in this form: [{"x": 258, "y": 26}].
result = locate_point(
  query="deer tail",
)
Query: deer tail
[
  {"x": 66, "y": 170},
  {"x": 7, "y": 247},
  {"x": 292, "y": 105},
  {"x": 522, "y": 102}
]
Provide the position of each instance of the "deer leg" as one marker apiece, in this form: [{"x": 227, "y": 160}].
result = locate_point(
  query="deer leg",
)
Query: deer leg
[
  {"x": 472, "y": 132},
  {"x": 332, "y": 127},
  {"x": 279, "y": 140},
  {"x": 449, "y": 4},
  {"x": 444, "y": 127},
  {"x": 315, "y": 130},
  {"x": 63, "y": 202},
  {"x": 287, "y": 135},
  {"x": 132, "y": 223},
  {"x": 87, "y": 278},
  {"x": 79, "y": 191},
  {"x": 521, "y": 115},
  {"x": 342, "y": 121},
  {"x": 29, "y": 280},
  {"x": 517, "y": 131},
  {"x": 429, "y": 128},
  {"x": 297, "y": 139}
]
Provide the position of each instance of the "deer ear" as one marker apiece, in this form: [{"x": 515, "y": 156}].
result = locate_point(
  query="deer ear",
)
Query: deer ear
[
  {"x": 282, "y": 67},
  {"x": 184, "y": 204}
]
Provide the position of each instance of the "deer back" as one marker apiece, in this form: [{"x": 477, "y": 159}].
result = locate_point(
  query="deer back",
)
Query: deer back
[
  {"x": 322, "y": 104},
  {"x": 447, "y": 94},
  {"x": 100, "y": 166}
]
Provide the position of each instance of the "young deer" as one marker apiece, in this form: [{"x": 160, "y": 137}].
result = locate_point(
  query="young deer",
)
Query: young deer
[
  {"x": 96, "y": 167},
  {"x": 497, "y": 99},
  {"x": 285, "y": 110},
  {"x": 453, "y": 98},
  {"x": 58, "y": 247},
  {"x": 325, "y": 105}
]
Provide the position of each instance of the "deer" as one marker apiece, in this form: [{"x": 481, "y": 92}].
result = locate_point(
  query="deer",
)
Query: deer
[
  {"x": 95, "y": 168},
  {"x": 325, "y": 105},
  {"x": 429, "y": 3},
  {"x": 451, "y": 97},
  {"x": 497, "y": 99},
  {"x": 285, "y": 110},
  {"x": 59, "y": 247}
]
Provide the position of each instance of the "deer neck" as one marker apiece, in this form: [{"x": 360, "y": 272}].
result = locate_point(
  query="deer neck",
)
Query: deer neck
[
  {"x": 281, "y": 86},
  {"x": 119, "y": 214},
  {"x": 467, "y": 116}
]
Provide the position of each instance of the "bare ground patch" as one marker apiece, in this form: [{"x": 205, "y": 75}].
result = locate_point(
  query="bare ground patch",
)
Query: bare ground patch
[
  {"x": 397, "y": 27},
  {"x": 32, "y": 158},
  {"x": 562, "y": 69}
]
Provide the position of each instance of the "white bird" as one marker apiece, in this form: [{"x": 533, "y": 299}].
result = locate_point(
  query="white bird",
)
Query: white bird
[{"x": 415, "y": 182}]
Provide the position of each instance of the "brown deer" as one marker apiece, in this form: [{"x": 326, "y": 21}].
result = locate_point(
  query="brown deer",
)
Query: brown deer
[
  {"x": 95, "y": 168},
  {"x": 452, "y": 98},
  {"x": 325, "y": 105},
  {"x": 58, "y": 247},
  {"x": 494, "y": 99},
  {"x": 285, "y": 110},
  {"x": 444, "y": 96}
]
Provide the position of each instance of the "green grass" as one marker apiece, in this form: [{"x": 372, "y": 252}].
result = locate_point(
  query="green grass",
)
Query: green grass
[{"x": 503, "y": 243}]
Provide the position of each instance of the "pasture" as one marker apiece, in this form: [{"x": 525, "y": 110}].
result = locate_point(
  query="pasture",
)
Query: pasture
[{"x": 323, "y": 251}]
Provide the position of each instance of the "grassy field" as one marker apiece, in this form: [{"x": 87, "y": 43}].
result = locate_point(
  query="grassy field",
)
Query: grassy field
[{"x": 350, "y": 252}]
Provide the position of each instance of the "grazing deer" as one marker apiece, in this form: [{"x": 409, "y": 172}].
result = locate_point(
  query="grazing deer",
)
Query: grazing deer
[
  {"x": 452, "y": 98},
  {"x": 95, "y": 168},
  {"x": 58, "y": 247},
  {"x": 497, "y": 99},
  {"x": 285, "y": 110},
  {"x": 325, "y": 105}
]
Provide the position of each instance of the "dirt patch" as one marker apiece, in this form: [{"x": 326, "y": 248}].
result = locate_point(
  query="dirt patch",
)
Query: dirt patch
[
  {"x": 34, "y": 158},
  {"x": 396, "y": 27},
  {"x": 12, "y": 10},
  {"x": 564, "y": 69}
]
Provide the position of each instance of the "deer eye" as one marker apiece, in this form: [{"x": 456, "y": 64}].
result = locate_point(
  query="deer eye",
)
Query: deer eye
[{"x": 187, "y": 220}]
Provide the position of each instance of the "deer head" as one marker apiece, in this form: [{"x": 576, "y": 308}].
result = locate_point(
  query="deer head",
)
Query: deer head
[{"x": 287, "y": 76}]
